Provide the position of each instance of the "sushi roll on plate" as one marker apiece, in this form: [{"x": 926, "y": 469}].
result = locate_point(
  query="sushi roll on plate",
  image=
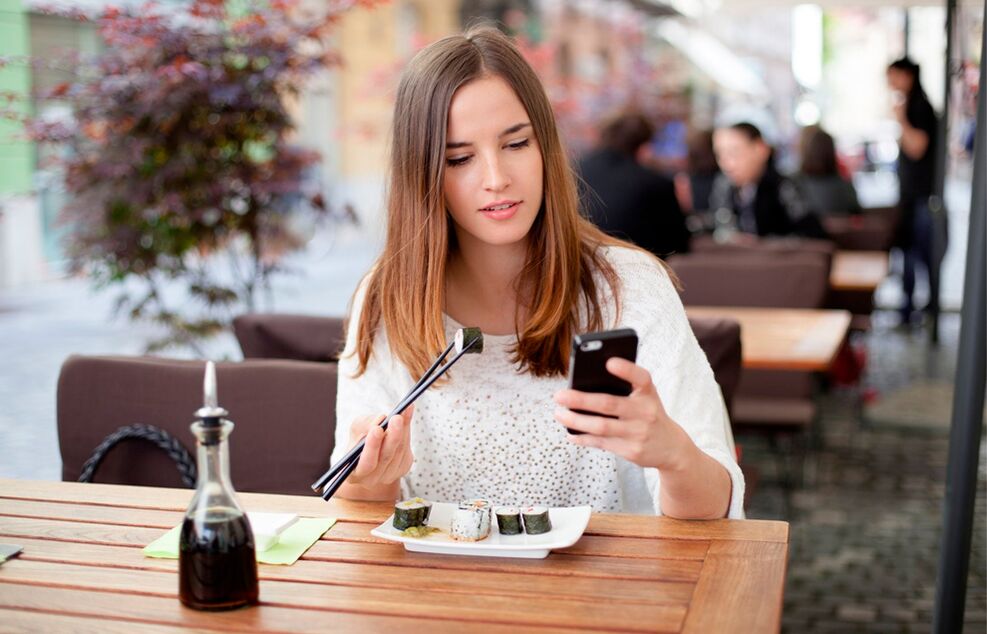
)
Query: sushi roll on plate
[
  {"x": 471, "y": 521},
  {"x": 509, "y": 520},
  {"x": 411, "y": 512},
  {"x": 536, "y": 520}
]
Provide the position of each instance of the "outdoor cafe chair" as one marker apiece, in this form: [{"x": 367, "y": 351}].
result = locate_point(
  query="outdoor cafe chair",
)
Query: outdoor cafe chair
[
  {"x": 284, "y": 336},
  {"x": 777, "y": 403},
  {"x": 284, "y": 412}
]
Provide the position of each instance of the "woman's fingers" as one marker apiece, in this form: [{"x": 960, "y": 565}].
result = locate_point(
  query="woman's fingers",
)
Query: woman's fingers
[
  {"x": 370, "y": 456},
  {"x": 606, "y": 404},
  {"x": 392, "y": 452},
  {"x": 386, "y": 454},
  {"x": 587, "y": 423},
  {"x": 638, "y": 377},
  {"x": 623, "y": 448}
]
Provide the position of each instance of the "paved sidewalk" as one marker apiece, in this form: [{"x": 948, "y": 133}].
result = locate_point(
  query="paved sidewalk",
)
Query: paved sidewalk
[{"x": 866, "y": 525}]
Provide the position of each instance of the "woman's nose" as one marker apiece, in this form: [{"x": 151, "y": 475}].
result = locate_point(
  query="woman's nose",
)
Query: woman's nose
[{"x": 495, "y": 178}]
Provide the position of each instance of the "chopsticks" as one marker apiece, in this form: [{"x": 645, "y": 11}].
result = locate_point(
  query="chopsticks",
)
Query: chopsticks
[{"x": 337, "y": 473}]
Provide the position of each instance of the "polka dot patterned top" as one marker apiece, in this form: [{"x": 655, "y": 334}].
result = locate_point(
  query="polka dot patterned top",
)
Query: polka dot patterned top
[{"x": 489, "y": 432}]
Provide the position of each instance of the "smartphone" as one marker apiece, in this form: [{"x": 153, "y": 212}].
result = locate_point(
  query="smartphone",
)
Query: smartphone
[{"x": 588, "y": 363}]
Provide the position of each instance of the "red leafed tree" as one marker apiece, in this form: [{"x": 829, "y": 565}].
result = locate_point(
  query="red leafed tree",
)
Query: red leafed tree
[{"x": 176, "y": 157}]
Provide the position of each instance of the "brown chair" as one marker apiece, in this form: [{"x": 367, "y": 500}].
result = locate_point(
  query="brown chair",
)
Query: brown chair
[
  {"x": 284, "y": 413},
  {"x": 871, "y": 230},
  {"x": 756, "y": 278},
  {"x": 720, "y": 340},
  {"x": 780, "y": 404},
  {"x": 299, "y": 337}
]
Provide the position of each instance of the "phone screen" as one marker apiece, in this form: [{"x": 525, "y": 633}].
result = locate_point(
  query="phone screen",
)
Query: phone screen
[{"x": 588, "y": 359}]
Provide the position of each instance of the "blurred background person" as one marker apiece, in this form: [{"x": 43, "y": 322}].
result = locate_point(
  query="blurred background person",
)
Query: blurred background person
[
  {"x": 826, "y": 190},
  {"x": 694, "y": 186},
  {"x": 916, "y": 166},
  {"x": 626, "y": 199},
  {"x": 762, "y": 201}
]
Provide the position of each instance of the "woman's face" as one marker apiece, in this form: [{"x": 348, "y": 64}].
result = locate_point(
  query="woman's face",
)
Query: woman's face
[
  {"x": 493, "y": 173},
  {"x": 740, "y": 158}
]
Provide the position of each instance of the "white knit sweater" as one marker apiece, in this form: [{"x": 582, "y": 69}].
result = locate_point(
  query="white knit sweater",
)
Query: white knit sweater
[{"x": 489, "y": 432}]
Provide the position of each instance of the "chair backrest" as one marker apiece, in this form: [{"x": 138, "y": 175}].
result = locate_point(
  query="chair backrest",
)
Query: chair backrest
[
  {"x": 872, "y": 230},
  {"x": 775, "y": 279},
  {"x": 299, "y": 337},
  {"x": 720, "y": 340},
  {"x": 284, "y": 413}
]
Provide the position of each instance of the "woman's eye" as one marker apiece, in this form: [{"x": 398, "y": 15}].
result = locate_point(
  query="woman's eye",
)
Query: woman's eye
[
  {"x": 517, "y": 145},
  {"x": 456, "y": 161}
]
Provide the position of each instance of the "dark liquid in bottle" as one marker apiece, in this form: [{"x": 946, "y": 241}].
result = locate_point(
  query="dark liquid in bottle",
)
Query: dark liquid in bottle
[{"x": 217, "y": 564}]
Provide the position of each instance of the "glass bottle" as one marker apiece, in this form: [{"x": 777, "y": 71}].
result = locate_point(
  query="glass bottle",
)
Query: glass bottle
[{"x": 217, "y": 564}]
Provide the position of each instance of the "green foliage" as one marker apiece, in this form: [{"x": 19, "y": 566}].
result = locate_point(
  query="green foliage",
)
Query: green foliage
[{"x": 176, "y": 157}]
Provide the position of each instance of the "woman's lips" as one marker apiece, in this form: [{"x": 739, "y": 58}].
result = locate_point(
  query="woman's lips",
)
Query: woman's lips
[{"x": 501, "y": 212}]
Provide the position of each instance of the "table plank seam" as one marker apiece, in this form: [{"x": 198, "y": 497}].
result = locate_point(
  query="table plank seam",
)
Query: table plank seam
[
  {"x": 381, "y": 586},
  {"x": 311, "y": 608},
  {"x": 103, "y": 617}
]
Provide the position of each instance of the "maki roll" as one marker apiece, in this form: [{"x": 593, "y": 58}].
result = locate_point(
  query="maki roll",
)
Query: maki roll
[
  {"x": 471, "y": 337},
  {"x": 411, "y": 512},
  {"x": 509, "y": 520},
  {"x": 536, "y": 520},
  {"x": 471, "y": 521}
]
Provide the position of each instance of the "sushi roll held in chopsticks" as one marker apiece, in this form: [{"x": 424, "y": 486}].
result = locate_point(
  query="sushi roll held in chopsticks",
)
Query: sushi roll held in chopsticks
[
  {"x": 465, "y": 336},
  {"x": 536, "y": 520},
  {"x": 411, "y": 512},
  {"x": 471, "y": 521}
]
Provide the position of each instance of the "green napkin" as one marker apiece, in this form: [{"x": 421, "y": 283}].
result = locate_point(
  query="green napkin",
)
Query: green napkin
[{"x": 292, "y": 543}]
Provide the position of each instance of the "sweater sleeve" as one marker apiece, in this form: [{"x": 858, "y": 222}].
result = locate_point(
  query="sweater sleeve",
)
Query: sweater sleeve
[
  {"x": 374, "y": 392},
  {"x": 679, "y": 368}
]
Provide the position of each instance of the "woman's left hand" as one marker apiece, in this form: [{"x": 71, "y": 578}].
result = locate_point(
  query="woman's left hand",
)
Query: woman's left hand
[{"x": 641, "y": 431}]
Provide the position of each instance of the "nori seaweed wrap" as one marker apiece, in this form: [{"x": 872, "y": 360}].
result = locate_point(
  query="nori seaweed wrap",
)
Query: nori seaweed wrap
[
  {"x": 411, "y": 512},
  {"x": 471, "y": 521},
  {"x": 509, "y": 520},
  {"x": 536, "y": 520},
  {"x": 465, "y": 335}
]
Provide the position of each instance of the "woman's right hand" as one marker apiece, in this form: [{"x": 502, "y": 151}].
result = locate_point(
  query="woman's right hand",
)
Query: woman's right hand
[{"x": 386, "y": 455}]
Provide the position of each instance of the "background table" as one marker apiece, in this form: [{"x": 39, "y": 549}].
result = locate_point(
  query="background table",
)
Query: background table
[
  {"x": 785, "y": 338},
  {"x": 858, "y": 270},
  {"x": 82, "y": 569}
]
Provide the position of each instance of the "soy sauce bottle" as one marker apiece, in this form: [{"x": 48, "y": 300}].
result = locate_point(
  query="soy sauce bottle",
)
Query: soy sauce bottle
[{"x": 217, "y": 565}]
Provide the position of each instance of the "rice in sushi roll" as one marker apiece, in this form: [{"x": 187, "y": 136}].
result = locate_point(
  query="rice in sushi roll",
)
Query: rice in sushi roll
[
  {"x": 411, "y": 512},
  {"x": 536, "y": 520},
  {"x": 471, "y": 521}
]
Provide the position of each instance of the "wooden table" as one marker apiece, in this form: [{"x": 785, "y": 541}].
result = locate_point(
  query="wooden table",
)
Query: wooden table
[
  {"x": 785, "y": 338},
  {"x": 858, "y": 270},
  {"x": 82, "y": 569}
]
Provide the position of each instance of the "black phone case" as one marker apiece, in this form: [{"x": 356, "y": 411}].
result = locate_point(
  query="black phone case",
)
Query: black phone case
[{"x": 587, "y": 363}]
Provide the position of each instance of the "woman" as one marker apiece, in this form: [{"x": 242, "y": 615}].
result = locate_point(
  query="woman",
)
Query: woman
[
  {"x": 484, "y": 230},
  {"x": 826, "y": 191},
  {"x": 916, "y": 166}
]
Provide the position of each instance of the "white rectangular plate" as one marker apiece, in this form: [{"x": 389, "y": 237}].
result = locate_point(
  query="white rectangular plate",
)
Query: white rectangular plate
[{"x": 568, "y": 525}]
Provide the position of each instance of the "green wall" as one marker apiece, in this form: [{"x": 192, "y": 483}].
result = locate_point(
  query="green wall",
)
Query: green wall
[{"x": 16, "y": 156}]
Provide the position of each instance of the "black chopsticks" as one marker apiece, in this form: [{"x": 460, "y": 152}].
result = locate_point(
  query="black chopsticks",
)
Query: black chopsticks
[{"x": 470, "y": 340}]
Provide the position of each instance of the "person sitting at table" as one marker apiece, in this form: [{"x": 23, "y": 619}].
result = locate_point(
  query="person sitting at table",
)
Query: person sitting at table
[
  {"x": 627, "y": 199},
  {"x": 483, "y": 229},
  {"x": 826, "y": 191},
  {"x": 751, "y": 196}
]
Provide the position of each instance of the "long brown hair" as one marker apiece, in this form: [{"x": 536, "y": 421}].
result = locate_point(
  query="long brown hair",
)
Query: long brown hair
[{"x": 405, "y": 290}]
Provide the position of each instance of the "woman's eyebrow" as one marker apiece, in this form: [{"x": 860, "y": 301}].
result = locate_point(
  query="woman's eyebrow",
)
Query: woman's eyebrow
[{"x": 517, "y": 127}]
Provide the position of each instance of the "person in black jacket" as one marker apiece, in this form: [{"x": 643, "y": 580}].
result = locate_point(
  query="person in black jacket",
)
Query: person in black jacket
[
  {"x": 753, "y": 196},
  {"x": 626, "y": 199},
  {"x": 916, "y": 167}
]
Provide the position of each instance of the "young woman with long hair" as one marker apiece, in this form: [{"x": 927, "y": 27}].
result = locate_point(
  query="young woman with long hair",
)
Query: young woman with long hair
[{"x": 484, "y": 230}]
